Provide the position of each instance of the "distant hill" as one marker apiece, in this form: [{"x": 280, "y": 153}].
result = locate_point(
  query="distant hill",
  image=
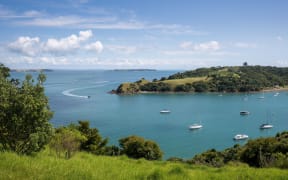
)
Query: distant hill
[
  {"x": 31, "y": 70},
  {"x": 214, "y": 79},
  {"x": 134, "y": 70}
]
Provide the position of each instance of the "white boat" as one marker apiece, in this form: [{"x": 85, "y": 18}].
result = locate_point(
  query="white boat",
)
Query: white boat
[
  {"x": 244, "y": 112},
  {"x": 276, "y": 94},
  {"x": 266, "y": 126},
  {"x": 195, "y": 126},
  {"x": 240, "y": 137},
  {"x": 165, "y": 111}
]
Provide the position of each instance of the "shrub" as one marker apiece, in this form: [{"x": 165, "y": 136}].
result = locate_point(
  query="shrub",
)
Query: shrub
[{"x": 137, "y": 147}]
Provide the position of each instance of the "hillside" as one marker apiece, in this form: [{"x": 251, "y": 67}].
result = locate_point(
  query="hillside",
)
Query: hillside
[
  {"x": 87, "y": 166},
  {"x": 214, "y": 79}
]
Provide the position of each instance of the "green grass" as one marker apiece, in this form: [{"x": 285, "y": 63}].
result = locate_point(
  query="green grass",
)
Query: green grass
[
  {"x": 175, "y": 82},
  {"x": 87, "y": 166}
]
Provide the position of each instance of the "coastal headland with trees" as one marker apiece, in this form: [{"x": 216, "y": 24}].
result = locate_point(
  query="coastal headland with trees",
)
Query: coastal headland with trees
[{"x": 214, "y": 79}]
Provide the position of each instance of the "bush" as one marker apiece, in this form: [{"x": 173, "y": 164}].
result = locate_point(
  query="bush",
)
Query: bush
[
  {"x": 137, "y": 147},
  {"x": 66, "y": 141}
]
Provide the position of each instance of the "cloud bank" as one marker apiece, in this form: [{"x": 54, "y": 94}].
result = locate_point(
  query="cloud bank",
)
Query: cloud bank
[{"x": 33, "y": 46}]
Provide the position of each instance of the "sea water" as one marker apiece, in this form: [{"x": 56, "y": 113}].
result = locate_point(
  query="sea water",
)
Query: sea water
[{"x": 83, "y": 95}]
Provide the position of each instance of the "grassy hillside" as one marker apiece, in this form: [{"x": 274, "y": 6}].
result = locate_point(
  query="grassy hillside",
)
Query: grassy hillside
[
  {"x": 214, "y": 79},
  {"x": 176, "y": 82},
  {"x": 87, "y": 166}
]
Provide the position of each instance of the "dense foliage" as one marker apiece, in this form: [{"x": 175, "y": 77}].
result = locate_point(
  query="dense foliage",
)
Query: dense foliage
[
  {"x": 239, "y": 78},
  {"x": 137, "y": 147},
  {"x": 24, "y": 114},
  {"x": 68, "y": 140},
  {"x": 216, "y": 79},
  {"x": 261, "y": 152},
  {"x": 73, "y": 138}
]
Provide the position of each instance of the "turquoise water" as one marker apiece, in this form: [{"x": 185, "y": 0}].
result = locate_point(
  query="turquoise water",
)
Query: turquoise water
[{"x": 120, "y": 116}]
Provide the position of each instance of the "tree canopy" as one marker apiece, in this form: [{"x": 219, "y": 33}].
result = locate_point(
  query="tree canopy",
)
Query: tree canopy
[
  {"x": 24, "y": 113},
  {"x": 137, "y": 147}
]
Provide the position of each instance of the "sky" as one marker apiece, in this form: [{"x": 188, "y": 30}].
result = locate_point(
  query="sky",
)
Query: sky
[{"x": 157, "y": 34}]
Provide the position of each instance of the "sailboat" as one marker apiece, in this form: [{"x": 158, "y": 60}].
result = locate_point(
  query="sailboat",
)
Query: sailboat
[
  {"x": 262, "y": 97},
  {"x": 240, "y": 137},
  {"x": 245, "y": 112},
  {"x": 195, "y": 126},
  {"x": 266, "y": 125},
  {"x": 165, "y": 111}
]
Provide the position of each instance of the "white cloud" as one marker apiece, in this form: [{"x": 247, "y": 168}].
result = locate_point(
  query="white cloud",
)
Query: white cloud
[
  {"x": 186, "y": 45},
  {"x": 67, "y": 44},
  {"x": 34, "y": 47},
  {"x": 9, "y": 14},
  {"x": 245, "y": 45},
  {"x": 32, "y": 13},
  {"x": 85, "y": 35},
  {"x": 206, "y": 46},
  {"x": 59, "y": 21},
  {"x": 26, "y": 45},
  {"x": 54, "y": 60},
  {"x": 122, "y": 49},
  {"x": 97, "y": 47}
]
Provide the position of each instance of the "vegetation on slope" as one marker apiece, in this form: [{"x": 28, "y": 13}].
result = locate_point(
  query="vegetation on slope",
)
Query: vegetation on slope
[
  {"x": 215, "y": 79},
  {"x": 87, "y": 166},
  {"x": 74, "y": 138}
]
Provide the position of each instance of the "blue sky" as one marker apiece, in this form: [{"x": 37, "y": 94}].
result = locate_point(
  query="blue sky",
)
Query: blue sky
[{"x": 161, "y": 34}]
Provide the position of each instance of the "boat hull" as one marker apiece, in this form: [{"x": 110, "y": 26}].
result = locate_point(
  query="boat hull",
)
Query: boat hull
[{"x": 241, "y": 137}]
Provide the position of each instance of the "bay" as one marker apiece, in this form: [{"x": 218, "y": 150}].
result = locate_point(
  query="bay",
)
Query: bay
[{"x": 120, "y": 116}]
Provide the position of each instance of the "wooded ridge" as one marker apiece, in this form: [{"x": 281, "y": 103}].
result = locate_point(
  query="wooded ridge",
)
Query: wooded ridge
[{"x": 214, "y": 79}]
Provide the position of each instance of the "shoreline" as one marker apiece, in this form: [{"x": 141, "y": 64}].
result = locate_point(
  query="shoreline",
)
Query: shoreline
[
  {"x": 172, "y": 92},
  {"x": 276, "y": 89}
]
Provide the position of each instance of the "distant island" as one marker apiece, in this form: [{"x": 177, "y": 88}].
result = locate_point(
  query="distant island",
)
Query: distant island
[
  {"x": 214, "y": 79},
  {"x": 31, "y": 70},
  {"x": 134, "y": 70}
]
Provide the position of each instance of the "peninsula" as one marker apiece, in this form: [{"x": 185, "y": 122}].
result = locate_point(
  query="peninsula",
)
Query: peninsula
[{"x": 214, "y": 79}]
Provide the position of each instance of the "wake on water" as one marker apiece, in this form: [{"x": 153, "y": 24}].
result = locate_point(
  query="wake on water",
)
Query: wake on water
[{"x": 68, "y": 92}]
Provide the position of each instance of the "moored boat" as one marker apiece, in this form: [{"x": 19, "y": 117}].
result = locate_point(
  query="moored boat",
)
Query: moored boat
[
  {"x": 244, "y": 112},
  {"x": 240, "y": 137},
  {"x": 266, "y": 126},
  {"x": 195, "y": 126},
  {"x": 165, "y": 111}
]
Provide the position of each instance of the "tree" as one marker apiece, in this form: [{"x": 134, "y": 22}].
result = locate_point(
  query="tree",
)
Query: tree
[
  {"x": 66, "y": 140},
  {"x": 210, "y": 158},
  {"x": 200, "y": 86},
  {"x": 94, "y": 142},
  {"x": 137, "y": 147},
  {"x": 24, "y": 114}
]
